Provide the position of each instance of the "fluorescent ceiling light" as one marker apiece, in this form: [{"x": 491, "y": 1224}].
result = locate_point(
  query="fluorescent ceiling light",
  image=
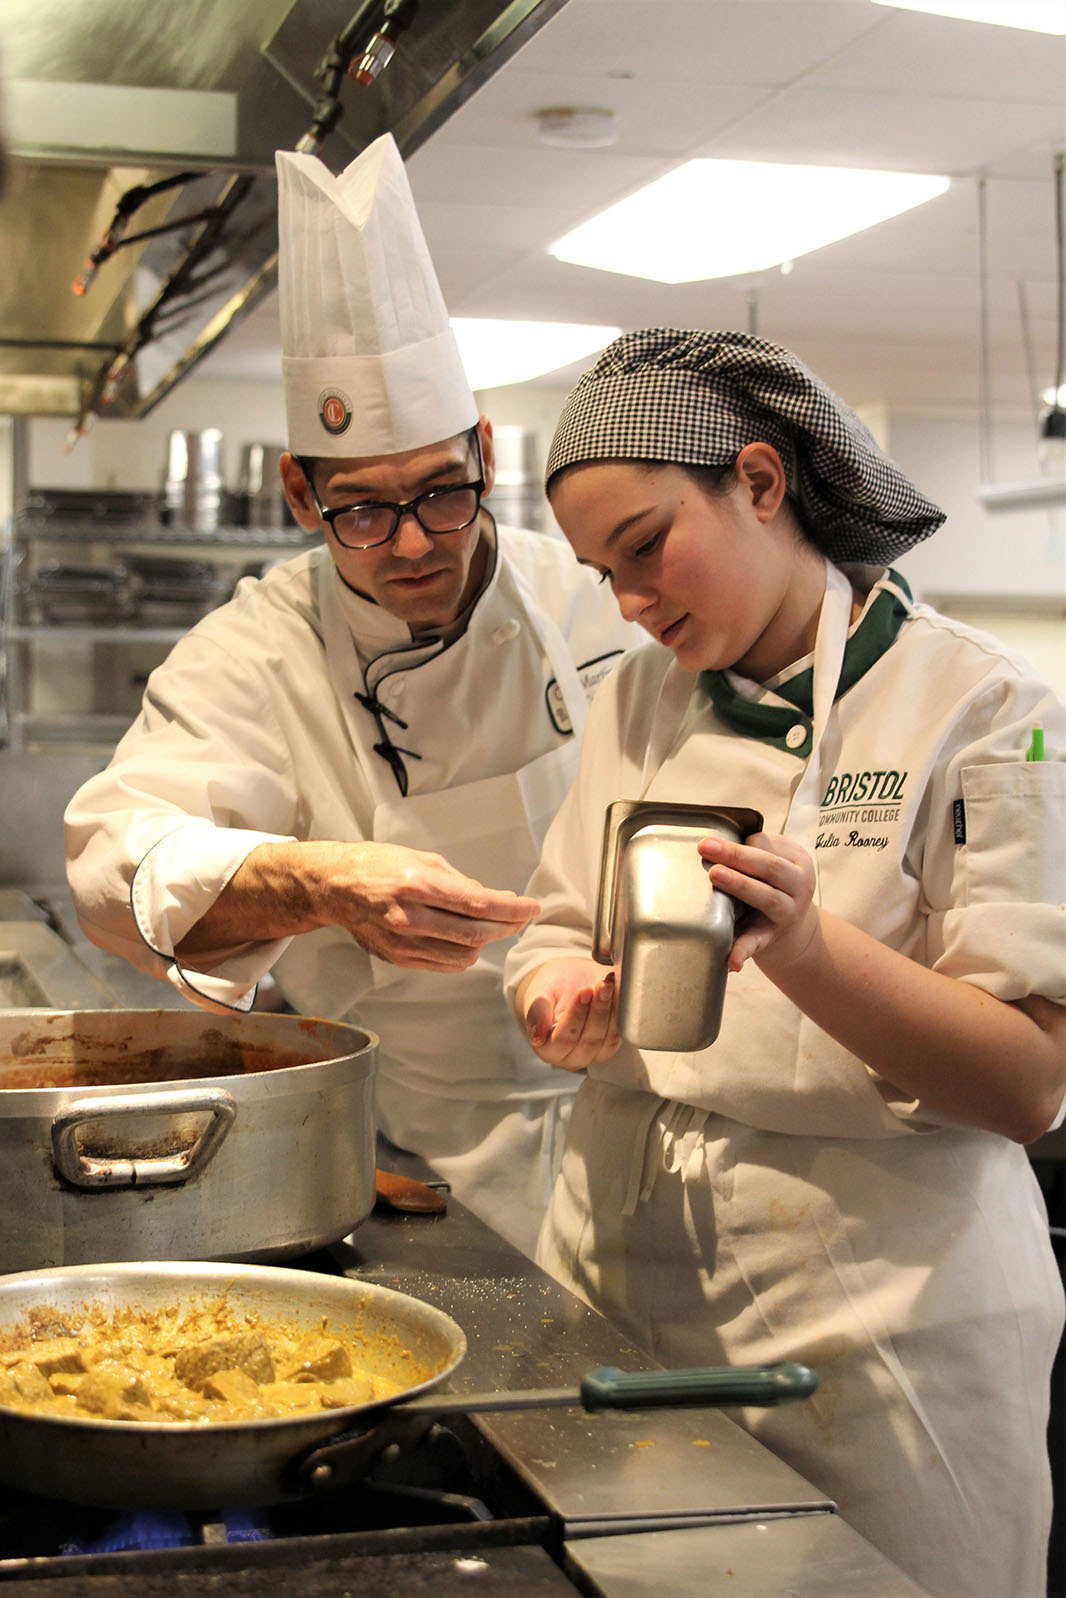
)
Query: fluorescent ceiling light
[
  {"x": 1050, "y": 397},
  {"x": 496, "y": 352},
  {"x": 724, "y": 218},
  {"x": 1038, "y": 16}
]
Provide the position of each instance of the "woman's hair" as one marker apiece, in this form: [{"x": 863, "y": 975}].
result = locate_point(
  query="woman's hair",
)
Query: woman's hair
[{"x": 715, "y": 482}]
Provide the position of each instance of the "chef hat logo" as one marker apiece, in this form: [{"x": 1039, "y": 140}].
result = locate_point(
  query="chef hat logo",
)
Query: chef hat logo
[
  {"x": 335, "y": 411},
  {"x": 370, "y": 362}
]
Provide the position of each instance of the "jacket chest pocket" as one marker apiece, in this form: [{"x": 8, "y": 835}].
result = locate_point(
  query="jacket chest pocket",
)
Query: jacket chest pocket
[{"x": 1015, "y": 832}]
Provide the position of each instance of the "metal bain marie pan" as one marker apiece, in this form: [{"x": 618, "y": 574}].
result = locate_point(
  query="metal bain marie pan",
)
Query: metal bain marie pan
[{"x": 659, "y": 922}]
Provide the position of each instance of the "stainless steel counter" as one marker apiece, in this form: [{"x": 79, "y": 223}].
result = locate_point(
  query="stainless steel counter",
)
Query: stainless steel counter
[
  {"x": 36, "y": 964},
  {"x": 798, "y": 1556},
  {"x": 45, "y": 956}
]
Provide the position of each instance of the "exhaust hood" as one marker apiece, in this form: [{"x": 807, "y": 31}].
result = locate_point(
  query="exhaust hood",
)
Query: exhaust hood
[{"x": 143, "y": 140}]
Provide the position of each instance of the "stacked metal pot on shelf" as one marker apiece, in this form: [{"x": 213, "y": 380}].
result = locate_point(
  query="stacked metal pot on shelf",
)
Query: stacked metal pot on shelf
[
  {"x": 147, "y": 588},
  {"x": 97, "y": 584}
]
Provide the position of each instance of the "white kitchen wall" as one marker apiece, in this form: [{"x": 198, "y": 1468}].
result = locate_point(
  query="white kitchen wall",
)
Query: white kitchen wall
[
  {"x": 132, "y": 455},
  {"x": 1004, "y": 572},
  {"x": 7, "y": 468},
  {"x": 980, "y": 551}
]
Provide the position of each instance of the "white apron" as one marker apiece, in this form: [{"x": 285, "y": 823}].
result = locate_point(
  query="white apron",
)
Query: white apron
[{"x": 467, "y": 1093}]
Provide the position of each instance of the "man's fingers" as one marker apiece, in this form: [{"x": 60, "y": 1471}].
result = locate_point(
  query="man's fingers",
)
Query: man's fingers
[
  {"x": 476, "y": 903},
  {"x": 408, "y": 906},
  {"x": 420, "y": 924},
  {"x": 431, "y": 882}
]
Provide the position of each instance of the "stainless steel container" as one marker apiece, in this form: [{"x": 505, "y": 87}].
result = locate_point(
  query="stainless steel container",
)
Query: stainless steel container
[
  {"x": 661, "y": 925},
  {"x": 163, "y": 1134},
  {"x": 261, "y": 498},
  {"x": 517, "y": 496},
  {"x": 193, "y": 493},
  {"x": 172, "y": 590}
]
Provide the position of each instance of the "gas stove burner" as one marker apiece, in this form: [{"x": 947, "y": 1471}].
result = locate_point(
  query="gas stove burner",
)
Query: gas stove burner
[
  {"x": 430, "y": 1485},
  {"x": 137, "y": 1529}
]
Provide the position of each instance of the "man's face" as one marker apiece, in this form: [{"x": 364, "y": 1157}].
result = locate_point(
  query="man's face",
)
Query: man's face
[{"x": 424, "y": 579}]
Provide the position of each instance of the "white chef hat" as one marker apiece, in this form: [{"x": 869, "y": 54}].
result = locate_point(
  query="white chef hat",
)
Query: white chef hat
[{"x": 370, "y": 363}]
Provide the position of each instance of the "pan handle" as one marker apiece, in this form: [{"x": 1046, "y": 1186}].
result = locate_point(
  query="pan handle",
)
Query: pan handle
[
  {"x": 765, "y": 1385},
  {"x": 349, "y": 1456},
  {"x": 83, "y": 1170},
  {"x": 610, "y": 1388}
]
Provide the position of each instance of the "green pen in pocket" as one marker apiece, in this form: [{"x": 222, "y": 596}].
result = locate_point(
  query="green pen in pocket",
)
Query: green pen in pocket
[{"x": 1036, "y": 747}]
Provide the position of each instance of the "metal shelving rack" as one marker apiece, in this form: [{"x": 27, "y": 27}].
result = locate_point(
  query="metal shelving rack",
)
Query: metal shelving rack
[{"x": 100, "y": 532}]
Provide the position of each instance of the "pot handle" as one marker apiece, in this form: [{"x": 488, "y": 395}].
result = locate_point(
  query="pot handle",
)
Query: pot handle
[{"x": 81, "y": 1170}]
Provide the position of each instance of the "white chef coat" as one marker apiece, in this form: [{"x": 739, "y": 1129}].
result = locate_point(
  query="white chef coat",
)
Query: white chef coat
[
  {"x": 250, "y": 733},
  {"x": 770, "y": 1197}
]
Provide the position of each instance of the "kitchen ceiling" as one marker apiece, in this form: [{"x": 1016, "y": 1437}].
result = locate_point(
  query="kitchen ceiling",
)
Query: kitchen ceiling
[{"x": 891, "y": 316}]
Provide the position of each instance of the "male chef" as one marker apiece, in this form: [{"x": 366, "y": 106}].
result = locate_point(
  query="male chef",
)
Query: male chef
[{"x": 343, "y": 775}]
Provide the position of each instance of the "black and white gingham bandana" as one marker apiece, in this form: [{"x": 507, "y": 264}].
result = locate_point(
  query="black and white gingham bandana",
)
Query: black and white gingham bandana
[{"x": 695, "y": 398}]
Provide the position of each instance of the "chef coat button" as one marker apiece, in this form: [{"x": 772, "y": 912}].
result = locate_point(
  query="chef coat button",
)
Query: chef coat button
[
  {"x": 795, "y": 736},
  {"x": 510, "y": 629}
]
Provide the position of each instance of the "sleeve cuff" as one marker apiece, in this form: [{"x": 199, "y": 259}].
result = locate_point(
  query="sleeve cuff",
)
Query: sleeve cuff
[{"x": 175, "y": 884}]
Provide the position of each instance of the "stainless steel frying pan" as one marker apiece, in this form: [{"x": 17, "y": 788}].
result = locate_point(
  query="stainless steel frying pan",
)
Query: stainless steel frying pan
[{"x": 126, "y": 1464}]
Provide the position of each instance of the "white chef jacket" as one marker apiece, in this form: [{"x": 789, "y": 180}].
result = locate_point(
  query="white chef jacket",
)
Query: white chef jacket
[
  {"x": 770, "y": 1197},
  {"x": 250, "y": 732}
]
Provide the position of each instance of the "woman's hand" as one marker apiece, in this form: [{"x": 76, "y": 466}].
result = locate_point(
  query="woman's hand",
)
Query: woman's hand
[
  {"x": 963, "y": 1054},
  {"x": 774, "y": 877},
  {"x": 568, "y": 1007}
]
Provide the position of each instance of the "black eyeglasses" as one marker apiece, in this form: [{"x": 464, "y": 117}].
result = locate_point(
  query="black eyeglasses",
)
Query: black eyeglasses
[{"x": 438, "y": 510}]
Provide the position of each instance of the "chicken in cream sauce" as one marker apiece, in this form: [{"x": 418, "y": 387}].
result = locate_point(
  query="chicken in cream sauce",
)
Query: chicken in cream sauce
[{"x": 188, "y": 1365}]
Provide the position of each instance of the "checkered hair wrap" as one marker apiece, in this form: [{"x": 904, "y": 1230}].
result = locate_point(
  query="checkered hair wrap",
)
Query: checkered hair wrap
[{"x": 692, "y": 398}]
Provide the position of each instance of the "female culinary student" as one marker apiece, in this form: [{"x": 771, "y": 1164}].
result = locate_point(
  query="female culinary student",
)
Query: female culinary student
[{"x": 839, "y": 1177}]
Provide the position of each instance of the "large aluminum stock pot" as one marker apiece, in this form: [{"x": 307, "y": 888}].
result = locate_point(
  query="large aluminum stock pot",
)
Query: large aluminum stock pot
[{"x": 163, "y": 1134}]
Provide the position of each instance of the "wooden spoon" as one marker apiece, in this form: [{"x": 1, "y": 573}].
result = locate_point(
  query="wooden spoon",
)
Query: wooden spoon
[{"x": 405, "y": 1194}]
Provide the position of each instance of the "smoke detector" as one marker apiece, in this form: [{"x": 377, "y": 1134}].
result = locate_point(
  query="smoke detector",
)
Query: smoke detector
[{"x": 576, "y": 127}]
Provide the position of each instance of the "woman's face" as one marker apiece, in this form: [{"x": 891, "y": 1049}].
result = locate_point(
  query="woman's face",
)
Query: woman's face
[{"x": 722, "y": 580}]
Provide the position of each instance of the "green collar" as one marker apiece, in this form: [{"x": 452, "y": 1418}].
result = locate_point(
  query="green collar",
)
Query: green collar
[{"x": 778, "y": 724}]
